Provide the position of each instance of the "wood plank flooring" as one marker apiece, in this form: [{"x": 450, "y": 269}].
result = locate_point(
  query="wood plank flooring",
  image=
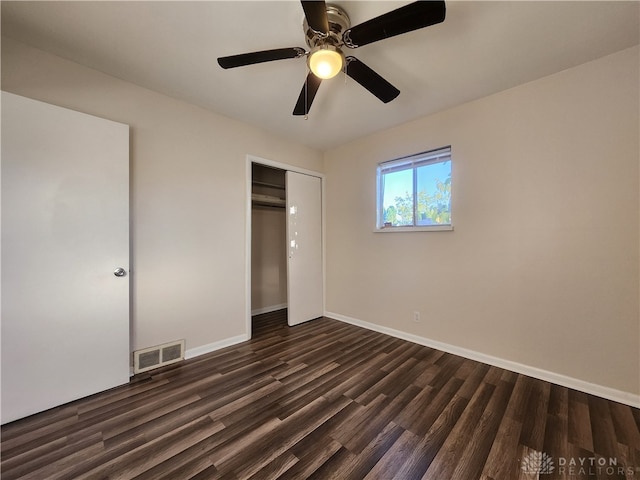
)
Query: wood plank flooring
[{"x": 327, "y": 400}]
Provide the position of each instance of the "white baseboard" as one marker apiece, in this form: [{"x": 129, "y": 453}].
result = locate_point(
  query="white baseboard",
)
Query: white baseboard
[
  {"x": 272, "y": 308},
  {"x": 212, "y": 347},
  {"x": 620, "y": 396}
]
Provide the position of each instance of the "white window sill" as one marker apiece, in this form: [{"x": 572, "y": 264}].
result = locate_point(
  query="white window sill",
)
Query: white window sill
[{"x": 433, "y": 228}]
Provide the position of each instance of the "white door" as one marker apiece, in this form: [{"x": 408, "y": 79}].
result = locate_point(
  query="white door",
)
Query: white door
[
  {"x": 65, "y": 230},
  {"x": 304, "y": 234}
]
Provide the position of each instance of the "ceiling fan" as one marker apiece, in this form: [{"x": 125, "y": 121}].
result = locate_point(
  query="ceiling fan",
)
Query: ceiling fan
[{"x": 328, "y": 30}]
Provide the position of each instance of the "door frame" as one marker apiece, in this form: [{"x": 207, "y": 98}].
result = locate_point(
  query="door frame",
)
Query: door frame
[{"x": 247, "y": 261}]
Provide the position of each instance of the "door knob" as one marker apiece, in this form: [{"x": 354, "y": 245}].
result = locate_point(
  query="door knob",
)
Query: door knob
[{"x": 119, "y": 272}]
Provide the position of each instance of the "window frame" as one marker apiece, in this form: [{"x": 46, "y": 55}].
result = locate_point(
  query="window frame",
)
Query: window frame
[{"x": 412, "y": 162}]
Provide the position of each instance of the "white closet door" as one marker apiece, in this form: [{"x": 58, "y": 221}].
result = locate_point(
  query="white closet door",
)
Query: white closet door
[
  {"x": 65, "y": 231},
  {"x": 304, "y": 234}
]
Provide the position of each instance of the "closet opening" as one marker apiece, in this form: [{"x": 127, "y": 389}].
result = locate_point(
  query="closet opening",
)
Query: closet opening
[{"x": 268, "y": 248}]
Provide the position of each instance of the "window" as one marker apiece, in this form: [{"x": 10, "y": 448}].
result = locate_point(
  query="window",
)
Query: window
[{"x": 415, "y": 192}]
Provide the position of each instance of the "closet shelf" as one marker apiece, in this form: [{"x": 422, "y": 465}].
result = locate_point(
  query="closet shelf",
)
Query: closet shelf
[{"x": 267, "y": 184}]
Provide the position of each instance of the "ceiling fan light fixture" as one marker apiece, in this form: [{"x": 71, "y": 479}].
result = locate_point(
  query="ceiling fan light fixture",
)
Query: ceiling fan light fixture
[{"x": 325, "y": 61}]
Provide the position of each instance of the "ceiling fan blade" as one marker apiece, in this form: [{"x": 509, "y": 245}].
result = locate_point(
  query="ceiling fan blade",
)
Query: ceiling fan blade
[
  {"x": 308, "y": 93},
  {"x": 405, "y": 19},
  {"x": 371, "y": 80},
  {"x": 260, "y": 57},
  {"x": 316, "y": 13}
]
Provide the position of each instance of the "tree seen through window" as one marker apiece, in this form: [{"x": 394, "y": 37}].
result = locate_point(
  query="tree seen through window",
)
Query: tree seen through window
[{"x": 416, "y": 191}]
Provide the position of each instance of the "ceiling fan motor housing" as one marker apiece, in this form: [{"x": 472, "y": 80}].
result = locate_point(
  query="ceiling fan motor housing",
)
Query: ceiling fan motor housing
[{"x": 338, "y": 23}]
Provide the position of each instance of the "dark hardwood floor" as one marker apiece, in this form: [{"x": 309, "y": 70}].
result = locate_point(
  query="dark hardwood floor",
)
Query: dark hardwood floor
[{"x": 328, "y": 400}]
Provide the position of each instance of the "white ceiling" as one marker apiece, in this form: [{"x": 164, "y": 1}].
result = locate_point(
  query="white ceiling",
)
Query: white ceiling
[{"x": 171, "y": 47}]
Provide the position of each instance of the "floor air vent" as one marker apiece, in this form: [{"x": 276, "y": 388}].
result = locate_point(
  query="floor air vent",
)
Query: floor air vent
[{"x": 154, "y": 357}]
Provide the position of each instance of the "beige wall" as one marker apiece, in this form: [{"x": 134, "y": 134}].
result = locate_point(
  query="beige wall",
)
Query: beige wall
[
  {"x": 188, "y": 200},
  {"x": 542, "y": 267},
  {"x": 268, "y": 257}
]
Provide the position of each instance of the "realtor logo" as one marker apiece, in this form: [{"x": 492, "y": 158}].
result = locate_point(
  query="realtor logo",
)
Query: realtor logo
[{"x": 537, "y": 463}]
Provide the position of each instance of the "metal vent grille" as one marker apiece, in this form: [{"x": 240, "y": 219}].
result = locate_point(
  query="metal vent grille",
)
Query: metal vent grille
[
  {"x": 159, "y": 356},
  {"x": 149, "y": 359},
  {"x": 171, "y": 353}
]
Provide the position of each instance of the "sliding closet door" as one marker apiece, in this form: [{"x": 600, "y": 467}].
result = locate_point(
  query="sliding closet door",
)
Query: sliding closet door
[
  {"x": 304, "y": 260},
  {"x": 65, "y": 255}
]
